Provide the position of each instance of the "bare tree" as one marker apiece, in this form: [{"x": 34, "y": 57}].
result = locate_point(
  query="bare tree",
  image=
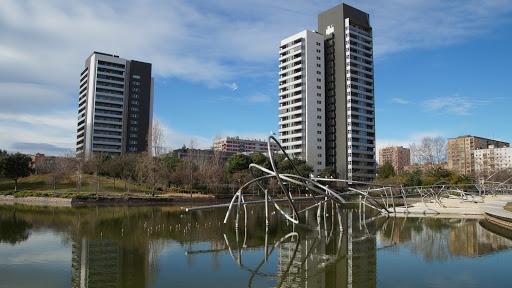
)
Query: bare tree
[
  {"x": 431, "y": 150},
  {"x": 150, "y": 165},
  {"x": 212, "y": 173},
  {"x": 57, "y": 169},
  {"x": 78, "y": 162}
]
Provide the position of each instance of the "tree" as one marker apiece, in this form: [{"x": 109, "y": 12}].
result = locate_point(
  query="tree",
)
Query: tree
[
  {"x": 16, "y": 166},
  {"x": 58, "y": 171},
  {"x": 3, "y": 154},
  {"x": 439, "y": 172},
  {"x": 412, "y": 178},
  {"x": 212, "y": 173},
  {"x": 238, "y": 163},
  {"x": 328, "y": 172},
  {"x": 128, "y": 162},
  {"x": 284, "y": 166},
  {"x": 431, "y": 150},
  {"x": 385, "y": 171},
  {"x": 150, "y": 165}
]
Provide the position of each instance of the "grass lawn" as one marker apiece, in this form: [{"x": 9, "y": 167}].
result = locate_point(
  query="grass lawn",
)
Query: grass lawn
[{"x": 44, "y": 183}]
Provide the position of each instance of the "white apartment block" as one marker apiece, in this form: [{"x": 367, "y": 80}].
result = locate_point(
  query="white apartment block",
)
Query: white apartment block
[
  {"x": 491, "y": 160},
  {"x": 360, "y": 100},
  {"x": 301, "y": 97},
  {"x": 240, "y": 145}
]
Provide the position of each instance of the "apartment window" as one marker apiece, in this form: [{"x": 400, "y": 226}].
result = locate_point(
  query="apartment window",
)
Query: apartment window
[
  {"x": 318, "y": 102},
  {"x": 134, "y": 109},
  {"x": 134, "y": 129},
  {"x": 135, "y": 89},
  {"x": 133, "y": 135},
  {"x": 134, "y": 102},
  {"x": 135, "y": 96},
  {"x": 134, "y": 122},
  {"x": 318, "y": 65},
  {"x": 318, "y": 58},
  {"x": 319, "y": 94},
  {"x": 319, "y": 109},
  {"x": 319, "y": 139},
  {"x": 133, "y": 115},
  {"x": 132, "y": 148},
  {"x": 319, "y": 87},
  {"x": 319, "y": 163},
  {"x": 319, "y": 124},
  {"x": 318, "y": 132},
  {"x": 318, "y": 50},
  {"x": 319, "y": 147},
  {"x": 135, "y": 82},
  {"x": 133, "y": 142},
  {"x": 317, "y": 43},
  {"x": 319, "y": 155},
  {"x": 135, "y": 76},
  {"x": 318, "y": 72}
]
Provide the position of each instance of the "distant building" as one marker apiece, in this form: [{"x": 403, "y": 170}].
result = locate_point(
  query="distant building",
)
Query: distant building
[
  {"x": 42, "y": 163},
  {"x": 461, "y": 152},
  {"x": 398, "y": 156},
  {"x": 425, "y": 167},
  {"x": 115, "y": 105},
  {"x": 240, "y": 145},
  {"x": 490, "y": 160},
  {"x": 184, "y": 153}
]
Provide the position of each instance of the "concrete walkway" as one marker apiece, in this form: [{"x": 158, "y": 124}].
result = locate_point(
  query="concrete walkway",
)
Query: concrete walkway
[
  {"x": 494, "y": 212},
  {"x": 493, "y": 204}
]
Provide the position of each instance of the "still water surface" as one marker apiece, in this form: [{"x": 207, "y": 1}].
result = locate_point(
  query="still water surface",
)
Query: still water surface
[{"x": 165, "y": 246}]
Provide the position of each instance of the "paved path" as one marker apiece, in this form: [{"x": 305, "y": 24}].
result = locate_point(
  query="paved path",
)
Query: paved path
[{"x": 494, "y": 212}]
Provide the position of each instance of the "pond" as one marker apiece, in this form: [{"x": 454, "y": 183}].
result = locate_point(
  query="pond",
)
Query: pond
[{"x": 163, "y": 246}]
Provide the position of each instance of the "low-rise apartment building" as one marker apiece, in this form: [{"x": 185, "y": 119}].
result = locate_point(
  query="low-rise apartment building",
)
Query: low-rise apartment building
[
  {"x": 240, "y": 145},
  {"x": 461, "y": 152},
  {"x": 398, "y": 156}
]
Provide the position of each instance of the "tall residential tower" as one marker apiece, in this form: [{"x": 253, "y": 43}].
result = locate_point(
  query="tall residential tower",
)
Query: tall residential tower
[
  {"x": 115, "y": 106},
  {"x": 301, "y": 97},
  {"x": 345, "y": 120}
]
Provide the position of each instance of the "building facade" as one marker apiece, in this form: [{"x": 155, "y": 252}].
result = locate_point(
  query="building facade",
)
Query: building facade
[
  {"x": 344, "y": 87},
  {"x": 239, "y": 145},
  {"x": 301, "y": 97},
  {"x": 115, "y": 109},
  {"x": 491, "y": 160},
  {"x": 398, "y": 156},
  {"x": 461, "y": 152}
]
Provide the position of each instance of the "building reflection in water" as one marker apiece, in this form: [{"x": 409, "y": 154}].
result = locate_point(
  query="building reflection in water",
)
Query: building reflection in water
[
  {"x": 440, "y": 238},
  {"x": 123, "y": 247}
]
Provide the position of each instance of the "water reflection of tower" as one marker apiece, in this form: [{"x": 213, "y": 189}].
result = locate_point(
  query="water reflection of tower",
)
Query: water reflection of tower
[
  {"x": 105, "y": 263},
  {"x": 297, "y": 268},
  {"x": 326, "y": 260}
]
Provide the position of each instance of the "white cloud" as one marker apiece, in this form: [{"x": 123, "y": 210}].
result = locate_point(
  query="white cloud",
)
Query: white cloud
[
  {"x": 232, "y": 86},
  {"x": 452, "y": 105},
  {"x": 50, "y": 134},
  {"x": 212, "y": 42},
  {"x": 399, "y": 100},
  {"x": 174, "y": 139}
]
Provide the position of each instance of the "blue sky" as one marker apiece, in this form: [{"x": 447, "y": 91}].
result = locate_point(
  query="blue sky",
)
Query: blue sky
[{"x": 442, "y": 68}]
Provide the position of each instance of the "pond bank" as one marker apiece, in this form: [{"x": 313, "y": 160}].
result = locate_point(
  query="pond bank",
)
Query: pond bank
[{"x": 106, "y": 201}]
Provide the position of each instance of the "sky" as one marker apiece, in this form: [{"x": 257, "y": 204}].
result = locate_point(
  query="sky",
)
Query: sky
[{"x": 442, "y": 68}]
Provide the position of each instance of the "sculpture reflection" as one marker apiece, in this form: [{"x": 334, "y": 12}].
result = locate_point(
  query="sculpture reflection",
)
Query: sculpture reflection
[{"x": 131, "y": 246}]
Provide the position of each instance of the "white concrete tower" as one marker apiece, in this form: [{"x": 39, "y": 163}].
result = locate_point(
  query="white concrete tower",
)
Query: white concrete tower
[{"x": 301, "y": 97}]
